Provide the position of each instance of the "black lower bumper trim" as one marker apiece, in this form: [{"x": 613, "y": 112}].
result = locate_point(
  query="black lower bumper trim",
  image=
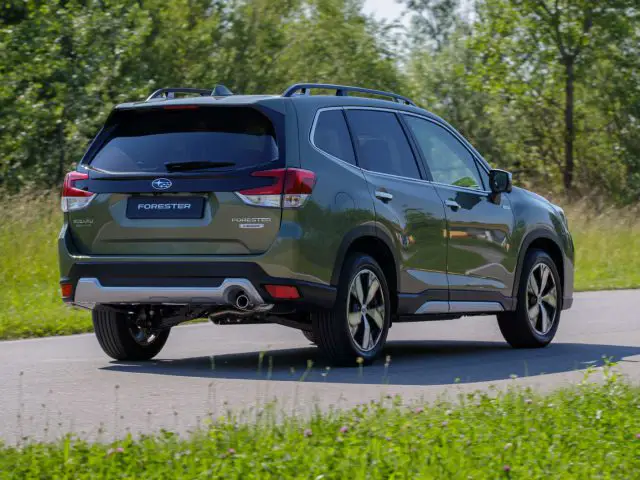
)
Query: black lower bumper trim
[{"x": 198, "y": 274}]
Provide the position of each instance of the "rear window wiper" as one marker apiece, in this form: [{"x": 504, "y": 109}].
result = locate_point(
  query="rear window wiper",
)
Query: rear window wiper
[{"x": 196, "y": 165}]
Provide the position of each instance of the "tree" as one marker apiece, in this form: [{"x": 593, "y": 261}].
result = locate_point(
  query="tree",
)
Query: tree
[
  {"x": 433, "y": 21},
  {"x": 64, "y": 64},
  {"x": 533, "y": 39}
]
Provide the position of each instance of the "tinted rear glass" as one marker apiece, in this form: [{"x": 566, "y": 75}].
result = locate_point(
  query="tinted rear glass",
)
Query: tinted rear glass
[
  {"x": 144, "y": 140},
  {"x": 332, "y": 136}
]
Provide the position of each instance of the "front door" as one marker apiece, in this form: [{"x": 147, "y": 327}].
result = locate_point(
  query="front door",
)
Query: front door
[{"x": 479, "y": 226}]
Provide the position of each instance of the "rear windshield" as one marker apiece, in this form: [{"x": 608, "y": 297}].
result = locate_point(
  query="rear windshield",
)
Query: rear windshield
[{"x": 145, "y": 140}]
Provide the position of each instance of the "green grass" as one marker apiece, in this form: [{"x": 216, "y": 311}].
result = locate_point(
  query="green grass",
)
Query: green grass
[
  {"x": 607, "y": 248},
  {"x": 608, "y": 256},
  {"x": 30, "y": 303},
  {"x": 587, "y": 431}
]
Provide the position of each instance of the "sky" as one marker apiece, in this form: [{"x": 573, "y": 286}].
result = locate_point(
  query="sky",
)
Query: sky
[
  {"x": 390, "y": 9},
  {"x": 383, "y": 9}
]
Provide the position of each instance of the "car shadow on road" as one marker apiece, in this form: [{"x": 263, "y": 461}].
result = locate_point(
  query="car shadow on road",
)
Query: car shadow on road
[{"x": 410, "y": 363}]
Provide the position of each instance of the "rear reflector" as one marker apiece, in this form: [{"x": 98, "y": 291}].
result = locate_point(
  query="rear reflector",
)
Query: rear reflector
[
  {"x": 282, "y": 292},
  {"x": 66, "y": 290},
  {"x": 291, "y": 188},
  {"x": 74, "y": 198}
]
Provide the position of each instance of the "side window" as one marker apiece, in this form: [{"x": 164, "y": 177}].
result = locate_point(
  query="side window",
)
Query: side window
[
  {"x": 332, "y": 136},
  {"x": 448, "y": 160},
  {"x": 382, "y": 144}
]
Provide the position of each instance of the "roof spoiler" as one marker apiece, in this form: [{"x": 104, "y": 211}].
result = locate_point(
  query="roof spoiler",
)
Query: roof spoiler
[{"x": 168, "y": 93}]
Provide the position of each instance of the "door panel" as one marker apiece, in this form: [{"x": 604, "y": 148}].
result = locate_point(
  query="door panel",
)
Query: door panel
[
  {"x": 407, "y": 208},
  {"x": 479, "y": 226},
  {"x": 415, "y": 219},
  {"x": 479, "y": 240}
]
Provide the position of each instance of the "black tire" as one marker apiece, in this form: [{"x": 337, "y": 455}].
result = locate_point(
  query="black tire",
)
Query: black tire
[
  {"x": 330, "y": 328},
  {"x": 516, "y": 327},
  {"x": 308, "y": 334},
  {"x": 115, "y": 336}
]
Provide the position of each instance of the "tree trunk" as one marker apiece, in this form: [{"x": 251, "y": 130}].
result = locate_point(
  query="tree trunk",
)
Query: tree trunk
[
  {"x": 62, "y": 157},
  {"x": 569, "y": 134}
]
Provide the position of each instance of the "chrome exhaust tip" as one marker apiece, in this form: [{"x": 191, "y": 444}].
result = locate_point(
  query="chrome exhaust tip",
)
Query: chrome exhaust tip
[{"x": 242, "y": 301}]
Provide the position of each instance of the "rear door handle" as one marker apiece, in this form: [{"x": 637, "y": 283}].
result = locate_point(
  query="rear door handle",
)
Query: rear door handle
[
  {"x": 452, "y": 204},
  {"x": 384, "y": 196}
]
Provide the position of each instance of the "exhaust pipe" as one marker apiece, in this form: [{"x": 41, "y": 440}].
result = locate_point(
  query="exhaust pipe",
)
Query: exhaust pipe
[{"x": 242, "y": 301}]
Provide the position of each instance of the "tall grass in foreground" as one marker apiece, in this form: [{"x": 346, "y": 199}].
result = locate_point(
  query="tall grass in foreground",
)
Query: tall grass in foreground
[
  {"x": 588, "y": 431},
  {"x": 607, "y": 243}
]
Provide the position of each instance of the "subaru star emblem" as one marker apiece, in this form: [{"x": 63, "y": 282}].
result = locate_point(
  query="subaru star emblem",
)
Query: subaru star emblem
[{"x": 161, "y": 183}]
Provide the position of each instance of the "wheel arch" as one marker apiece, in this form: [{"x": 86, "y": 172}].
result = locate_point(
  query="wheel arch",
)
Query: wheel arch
[
  {"x": 547, "y": 241},
  {"x": 373, "y": 241}
]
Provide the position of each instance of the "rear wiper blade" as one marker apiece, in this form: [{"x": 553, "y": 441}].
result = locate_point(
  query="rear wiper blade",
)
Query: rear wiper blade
[{"x": 197, "y": 165}]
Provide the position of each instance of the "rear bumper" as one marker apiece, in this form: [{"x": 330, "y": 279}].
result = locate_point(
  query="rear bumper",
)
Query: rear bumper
[
  {"x": 89, "y": 292},
  {"x": 192, "y": 283}
]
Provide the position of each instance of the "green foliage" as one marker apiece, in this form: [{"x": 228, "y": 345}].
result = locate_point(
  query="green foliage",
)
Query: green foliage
[
  {"x": 499, "y": 70},
  {"x": 65, "y": 63},
  {"x": 63, "y": 67},
  {"x": 588, "y": 431},
  {"x": 547, "y": 89}
]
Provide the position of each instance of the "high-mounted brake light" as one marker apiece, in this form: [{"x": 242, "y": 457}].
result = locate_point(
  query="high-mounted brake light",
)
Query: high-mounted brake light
[
  {"x": 180, "y": 107},
  {"x": 291, "y": 188},
  {"x": 74, "y": 198}
]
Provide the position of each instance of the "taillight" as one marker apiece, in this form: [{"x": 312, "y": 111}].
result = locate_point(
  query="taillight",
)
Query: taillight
[
  {"x": 74, "y": 198},
  {"x": 291, "y": 188},
  {"x": 66, "y": 290}
]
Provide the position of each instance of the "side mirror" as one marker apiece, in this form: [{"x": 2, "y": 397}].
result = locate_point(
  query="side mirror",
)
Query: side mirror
[{"x": 500, "y": 181}]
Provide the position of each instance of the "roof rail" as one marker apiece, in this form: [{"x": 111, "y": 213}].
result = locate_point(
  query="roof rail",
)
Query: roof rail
[
  {"x": 342, "y": 90},
  {"x": 218, "y": 91}
]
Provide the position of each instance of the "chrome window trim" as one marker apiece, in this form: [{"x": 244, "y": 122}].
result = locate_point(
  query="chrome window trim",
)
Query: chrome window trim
[
  {"x": 462, "y": 189},
  {"x": 398, "y": 177}
]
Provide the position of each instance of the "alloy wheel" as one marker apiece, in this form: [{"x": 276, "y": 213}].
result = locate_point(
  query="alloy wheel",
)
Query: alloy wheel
[
  {"x": 542, "y": 299},
  {"x": 366, "y": 310}
]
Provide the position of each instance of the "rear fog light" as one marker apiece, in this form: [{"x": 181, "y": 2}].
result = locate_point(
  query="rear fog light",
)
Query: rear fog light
[{"x": 282, "y": 292}]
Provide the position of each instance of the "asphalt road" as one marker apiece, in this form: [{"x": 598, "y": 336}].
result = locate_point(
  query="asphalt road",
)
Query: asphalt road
[{"x": 56, "y": 385}]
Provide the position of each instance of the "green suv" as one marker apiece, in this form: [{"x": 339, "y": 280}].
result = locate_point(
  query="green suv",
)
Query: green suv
[{"x": 336, "y": 213}]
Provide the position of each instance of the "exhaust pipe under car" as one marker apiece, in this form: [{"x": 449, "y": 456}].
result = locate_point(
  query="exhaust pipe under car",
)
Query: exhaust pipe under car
[{"x": 242, "y": 301}]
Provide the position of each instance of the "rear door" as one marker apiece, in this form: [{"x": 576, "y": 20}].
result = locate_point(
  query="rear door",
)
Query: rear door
[
  {"x": 407, "y": 207},
  {"x": 165, "y": 180}
]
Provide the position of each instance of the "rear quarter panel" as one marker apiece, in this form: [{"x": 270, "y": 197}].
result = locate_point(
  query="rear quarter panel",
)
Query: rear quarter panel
[{"x": 310, "y": 238}]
